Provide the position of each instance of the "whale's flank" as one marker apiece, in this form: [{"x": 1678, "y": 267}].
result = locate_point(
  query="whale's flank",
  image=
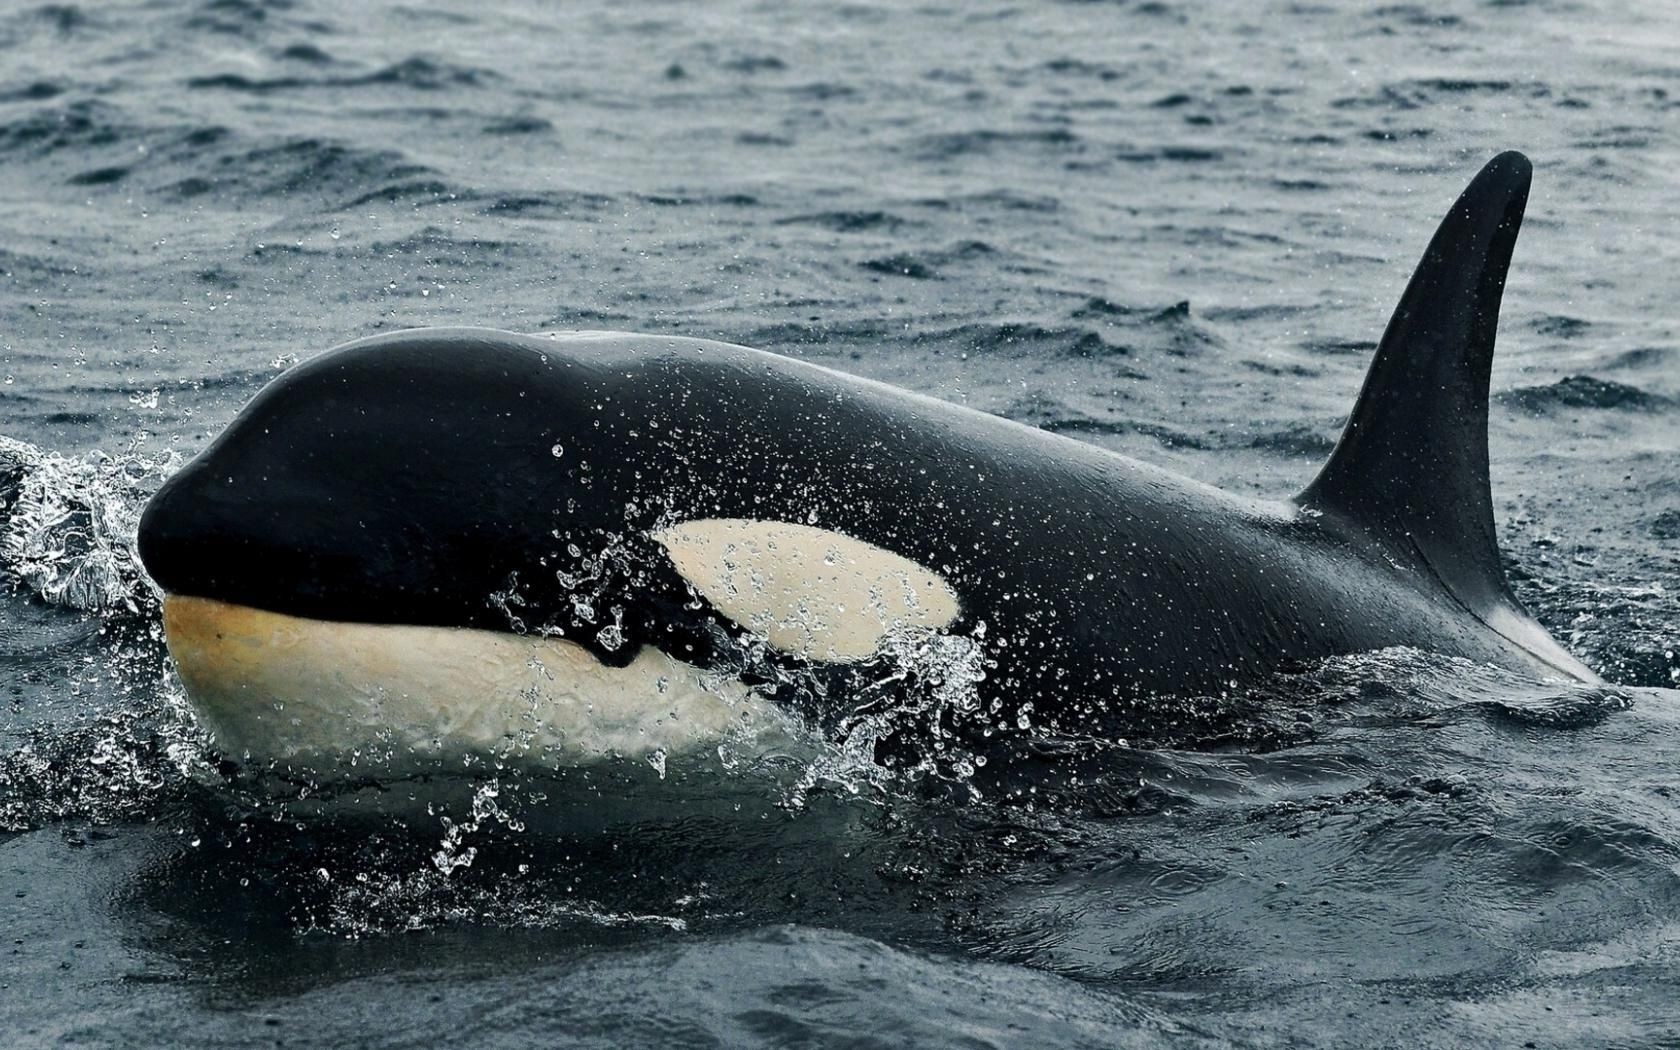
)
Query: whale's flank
[{"x": 739, "y": 516}]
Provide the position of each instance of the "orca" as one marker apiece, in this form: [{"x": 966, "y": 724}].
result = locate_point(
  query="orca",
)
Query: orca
[{"x": 435, "y": 542}]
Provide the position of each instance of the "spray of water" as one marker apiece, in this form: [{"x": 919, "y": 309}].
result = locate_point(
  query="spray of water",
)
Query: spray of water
[{"x": 68, "y": 525}]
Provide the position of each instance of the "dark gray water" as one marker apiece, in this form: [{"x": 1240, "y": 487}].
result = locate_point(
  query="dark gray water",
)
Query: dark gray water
[{"x": 1171, "y": 229}]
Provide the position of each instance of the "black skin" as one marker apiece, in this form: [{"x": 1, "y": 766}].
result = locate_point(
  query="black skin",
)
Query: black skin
[{"x": 412, "y": 478}]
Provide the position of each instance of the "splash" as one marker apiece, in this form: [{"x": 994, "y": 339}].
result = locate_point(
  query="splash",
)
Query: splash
[
  {"x": 132, "y": 752},
  {"x": 928, "y": 693},
  {"x": 453, "y": 852},
  {"x": 68, "y": 526}
]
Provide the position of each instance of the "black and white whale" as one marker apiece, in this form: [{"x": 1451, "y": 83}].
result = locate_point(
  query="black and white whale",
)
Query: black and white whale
[{"x": 437, "y": 541}]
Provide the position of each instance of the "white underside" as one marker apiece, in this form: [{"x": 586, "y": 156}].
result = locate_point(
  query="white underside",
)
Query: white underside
[
  {"x": 383, "y": 700},
  {"x": 388, "y": 700}
]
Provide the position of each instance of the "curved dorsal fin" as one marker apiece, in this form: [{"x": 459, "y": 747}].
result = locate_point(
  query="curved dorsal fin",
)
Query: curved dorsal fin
[{"x": 1412, "y": 464}]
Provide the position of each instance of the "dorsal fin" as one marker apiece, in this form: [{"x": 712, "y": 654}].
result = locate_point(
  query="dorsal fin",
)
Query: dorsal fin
[{"x": 1412, "y": 464}]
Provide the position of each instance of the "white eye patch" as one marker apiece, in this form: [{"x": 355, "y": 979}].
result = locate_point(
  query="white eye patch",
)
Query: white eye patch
[{"x": 811, "y": 592}]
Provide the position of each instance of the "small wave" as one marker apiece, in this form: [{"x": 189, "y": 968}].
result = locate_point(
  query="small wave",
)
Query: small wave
[
  {"x": 1299, "y": 440},
  {"x": 1385, "y": 97},
  {"x": 39, "y": 91},
  {"x": 426, "y": 74},
  {"x": 1561, "y": 327},
  {"x": 414, "y": 190},
  {"x": 846, "y": 221},
  {"x": 792, "y": 333},
  {"x": 927, "y": 265},
  {"x": 253, "y": 85},
  {"x": 751, "y": 64},
  {"x": 557, "y": 204},
  {"x": 1267, "y": 368},
  {"x": 231, "y": 16},
  {"x": 1098, "y": 306},
  {"x": 1641, "y": 357},
  {"x": 1296, "y": 440},
  {"x": 64, "y": 19},
  {"x": 902, "y": 265},
  {"x": 1030, "y": 337},
  {"x": 17, "y": 264},
  {"x": 1398, "y": 134},
  {"x": 315, "y": 164},
  {"x": 704, "y": 200},
  {"x": 579, "y": 316},
  {"x": 1619, "y": 137},
  {"x": 521, "y": 125},
  {"x": 1007, "y": 200},
  {"x": 99, "y": 176},
  {"x": 439, "y": 246},
  {"x": 985, "y": 141},
  {"x": 1442, "y": 791},
  {"x": 1417, "y": 15},
  {"x": 307, "y": 53},
  {"x": 1080, "y": 67},
  {"x": 1461, "y": 86},
  {"x": 418, "y": 72},
  {"x": 1171, "y": 154},
  {"x": 1582, "y": 392},
  {"x": 1362, "y": 347},
  {"x": 1576, "y": 709},
  {"x": 81, "y": 125},
  {"x": 762, "y": 138},
  {"x": 820, "y": 91}
]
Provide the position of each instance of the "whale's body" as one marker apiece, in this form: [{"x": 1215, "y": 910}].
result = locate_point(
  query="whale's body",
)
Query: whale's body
[{"x": 444, "y": 540}]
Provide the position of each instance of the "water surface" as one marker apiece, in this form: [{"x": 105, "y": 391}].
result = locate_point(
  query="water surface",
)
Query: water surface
[{"x": 1174, "y": 230}]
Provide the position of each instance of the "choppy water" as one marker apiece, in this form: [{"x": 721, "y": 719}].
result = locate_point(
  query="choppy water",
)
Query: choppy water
[{"x": 1171, "y": 229}]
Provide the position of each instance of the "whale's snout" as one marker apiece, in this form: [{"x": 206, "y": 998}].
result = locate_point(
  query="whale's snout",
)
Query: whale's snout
[
  {"x": 376, "y": 486},
  {"x": 186, "y": 541}
]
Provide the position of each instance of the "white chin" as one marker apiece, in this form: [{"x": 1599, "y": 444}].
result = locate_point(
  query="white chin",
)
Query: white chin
[{"x": 377, "y": 700}]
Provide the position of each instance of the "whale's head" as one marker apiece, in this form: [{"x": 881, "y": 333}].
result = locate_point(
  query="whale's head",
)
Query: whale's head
[
  {"x": 454, "y": 542},
  {"x": 399, "y": 480}
]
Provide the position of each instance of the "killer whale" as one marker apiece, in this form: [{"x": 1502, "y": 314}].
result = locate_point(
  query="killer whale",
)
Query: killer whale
[{"x": 434, "y": 541}]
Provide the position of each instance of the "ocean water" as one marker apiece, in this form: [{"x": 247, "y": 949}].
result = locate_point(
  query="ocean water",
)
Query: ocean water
[{"x": 1171, "y": 229}]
